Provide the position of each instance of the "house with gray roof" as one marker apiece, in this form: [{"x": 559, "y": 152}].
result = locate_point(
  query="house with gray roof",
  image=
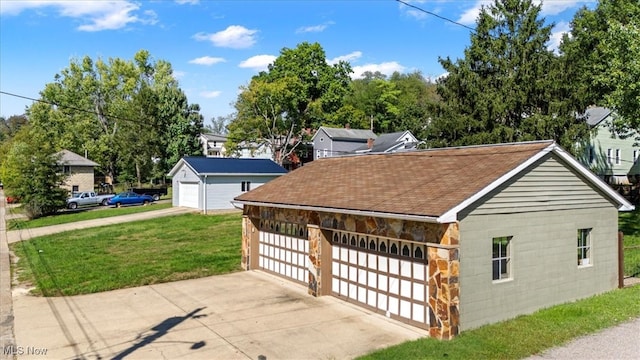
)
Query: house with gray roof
[
  {"x": 392, "y": 142},
  {"x": 209, "y": 183},
  {"x": 615, "y": 159},
  {"x": 331, "y": 142},
  {"x": 79, "y": 171},
  {"x": 442, "y": 239}
]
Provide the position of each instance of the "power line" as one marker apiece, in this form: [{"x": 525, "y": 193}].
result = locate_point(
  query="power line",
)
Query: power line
[
  {"x": 92, "y": 112},
  {"x": 438, "y": 16}
]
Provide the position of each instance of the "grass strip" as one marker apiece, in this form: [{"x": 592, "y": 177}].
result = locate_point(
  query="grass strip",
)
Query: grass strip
[
  {"x": 526, "y": 335},
  {"x": 66, "y": 217}
]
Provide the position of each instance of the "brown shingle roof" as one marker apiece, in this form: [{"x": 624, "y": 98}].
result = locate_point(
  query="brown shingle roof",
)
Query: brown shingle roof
[{"x": 423, "y": 183}]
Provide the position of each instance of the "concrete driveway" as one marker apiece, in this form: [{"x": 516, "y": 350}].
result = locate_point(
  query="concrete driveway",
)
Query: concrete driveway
[{"x": 245, "y": 315}]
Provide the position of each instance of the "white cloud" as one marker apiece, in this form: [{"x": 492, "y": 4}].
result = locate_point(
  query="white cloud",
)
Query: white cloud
[
  {"x": 258, "y": 62},
  {"x": 234, "y": 36},
  {"x": 210, "y": 94},
  {"x": 190, "y": 2},
  {"x": 207, "y": 60},
  {"x": 315, "y": 28},
  {"x": 470, "y": 16},
  {"x": 349, "y": 57},
  {"x": 179, "y": 74},
  {"x": 387, "y": 68},
  {"x": 557, "y": 32},
  {"x": 98, "y": 15}
]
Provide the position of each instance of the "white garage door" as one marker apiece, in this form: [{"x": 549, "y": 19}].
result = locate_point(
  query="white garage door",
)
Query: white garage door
[
  {"x": 388, "y": 276},
  {"x": 284, "y": 250},
  {"x": 188, "y": 195}
]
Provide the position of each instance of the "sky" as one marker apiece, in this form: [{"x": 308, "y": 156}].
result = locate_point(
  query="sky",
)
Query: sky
[{"x": 215, "y": 47}]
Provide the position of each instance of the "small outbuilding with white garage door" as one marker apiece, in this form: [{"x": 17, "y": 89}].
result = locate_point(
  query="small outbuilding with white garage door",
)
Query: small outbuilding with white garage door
[
  {"x": 443, "y": 239},
  {"x": 212, "y": 183}
]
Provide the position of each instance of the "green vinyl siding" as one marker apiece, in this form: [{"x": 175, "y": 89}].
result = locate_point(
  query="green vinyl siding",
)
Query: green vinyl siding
[
  {"x": 601, "y": 141},
  {"x": 549, "y": 186},
  {"x": 540, "y": 211}
]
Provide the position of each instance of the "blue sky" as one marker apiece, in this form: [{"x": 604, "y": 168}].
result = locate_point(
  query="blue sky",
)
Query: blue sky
[{"x": 217, "y": 46}]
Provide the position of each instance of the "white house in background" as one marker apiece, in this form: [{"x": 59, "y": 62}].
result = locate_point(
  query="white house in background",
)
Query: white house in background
[
  {"x": 213, "y": 145},
  {"x": 388, "y": 143},
  {"x": 209, "y": 183}
]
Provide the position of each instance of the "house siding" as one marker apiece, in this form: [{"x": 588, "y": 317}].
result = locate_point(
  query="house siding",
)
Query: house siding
[
  {"x": 542, "y": 212},
  {"x": 82, "y": 176},
  {"x": 221, "y": 190},
  {"x": 185, "y": 175},
  {"x": 601, "y": 141},
  {"x": 547, "y": 186}
]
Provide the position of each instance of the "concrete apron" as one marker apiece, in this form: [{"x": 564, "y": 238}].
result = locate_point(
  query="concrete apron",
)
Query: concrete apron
[{"x": 245, "y": 315}]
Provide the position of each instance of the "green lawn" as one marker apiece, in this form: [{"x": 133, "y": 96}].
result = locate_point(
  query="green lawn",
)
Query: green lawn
[
  {"x": 131, "y": 254},
  {"x": 526, "y": 335},
  {"x": 80, "y": 215},
  {"x": 629, "y": 223}
]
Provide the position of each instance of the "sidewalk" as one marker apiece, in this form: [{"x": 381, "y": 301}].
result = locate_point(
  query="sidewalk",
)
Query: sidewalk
[{"x": 19, "y": 235}]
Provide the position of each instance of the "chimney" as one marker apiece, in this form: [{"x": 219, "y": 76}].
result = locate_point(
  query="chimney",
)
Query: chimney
[
  {"x": 370, "y": 143},
  {"x": 347, "y": 126}
]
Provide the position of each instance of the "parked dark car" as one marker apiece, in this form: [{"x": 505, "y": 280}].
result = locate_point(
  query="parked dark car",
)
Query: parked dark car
[
  {"x": 156, "y": 193},
  {"x": 130, "y": 198}
]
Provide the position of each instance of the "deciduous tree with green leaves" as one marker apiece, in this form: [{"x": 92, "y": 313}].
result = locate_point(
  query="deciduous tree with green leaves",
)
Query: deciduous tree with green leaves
[
  {"x": 31, "y": 172},
  {"x": 601, "y": 53},
  {"x": 508, "y": 86},
  {"x": 296, "y": 92}
]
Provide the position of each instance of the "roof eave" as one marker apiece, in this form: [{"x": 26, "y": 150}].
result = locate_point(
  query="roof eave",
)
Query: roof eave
[{"x": 419, "y": 218}]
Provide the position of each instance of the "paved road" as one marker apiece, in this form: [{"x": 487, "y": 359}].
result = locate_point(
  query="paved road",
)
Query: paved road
[{"x": 616, "y": 343}]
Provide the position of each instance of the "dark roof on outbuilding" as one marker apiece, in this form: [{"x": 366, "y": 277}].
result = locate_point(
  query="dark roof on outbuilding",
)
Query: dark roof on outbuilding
[{"x": 209, "y": 166}]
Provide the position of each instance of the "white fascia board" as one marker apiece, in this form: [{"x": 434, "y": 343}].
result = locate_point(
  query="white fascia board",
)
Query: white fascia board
[
  {"x": 243, "y": 174},
  {"x": 452, "y": 214},
  {"x": 176, "y": 167},
  {"x": 419, "y": 218},
  {"x": 624, "y": 205}
]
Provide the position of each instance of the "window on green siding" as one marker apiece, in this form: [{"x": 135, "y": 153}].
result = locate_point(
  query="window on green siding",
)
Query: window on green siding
[
  {"x": 501, "y": 259},
  {"x": 584, "y": 247}
]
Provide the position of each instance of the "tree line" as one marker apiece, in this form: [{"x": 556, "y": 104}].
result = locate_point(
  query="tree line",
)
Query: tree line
[{"x": 136, "y": 122}]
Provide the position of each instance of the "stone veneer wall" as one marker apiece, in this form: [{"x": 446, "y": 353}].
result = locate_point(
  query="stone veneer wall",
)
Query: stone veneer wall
[{"x": 443, "y": 240}]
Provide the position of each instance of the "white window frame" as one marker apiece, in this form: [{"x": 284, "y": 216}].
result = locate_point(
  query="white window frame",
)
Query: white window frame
[
  {"x": 325, "y": 152},
  {"x": 610, "y": 156},
  {"x": 584, "y": 247},
  {"x": 636, "y": 155},
  {"x": 618, "y": 157},
  {"x": 502, "y": 259}
]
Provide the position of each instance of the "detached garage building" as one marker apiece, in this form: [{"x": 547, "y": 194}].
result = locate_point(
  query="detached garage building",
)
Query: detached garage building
[
  {"x": 443, "y": 239},
  {"x": 212, "y": 183}
]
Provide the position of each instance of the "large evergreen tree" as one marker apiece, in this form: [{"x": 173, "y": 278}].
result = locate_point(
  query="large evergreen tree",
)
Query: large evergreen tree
[{"x": 508, "y": 87}]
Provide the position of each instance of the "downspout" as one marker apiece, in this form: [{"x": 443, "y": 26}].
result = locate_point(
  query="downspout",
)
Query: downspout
[{"x": 204, "y": 195}]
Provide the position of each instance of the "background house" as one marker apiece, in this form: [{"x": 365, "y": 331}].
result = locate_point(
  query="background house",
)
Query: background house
[
  {"x": 212, "y": 183},
  {"x": 611, "y": 157},
  {"x": 443, "y": 239},
  {"x": 392, "y": 142},
  {"x": 213, "y": 145},
  {"x": 80, "y": 171},
  {"x": 330, "y": 142}
]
